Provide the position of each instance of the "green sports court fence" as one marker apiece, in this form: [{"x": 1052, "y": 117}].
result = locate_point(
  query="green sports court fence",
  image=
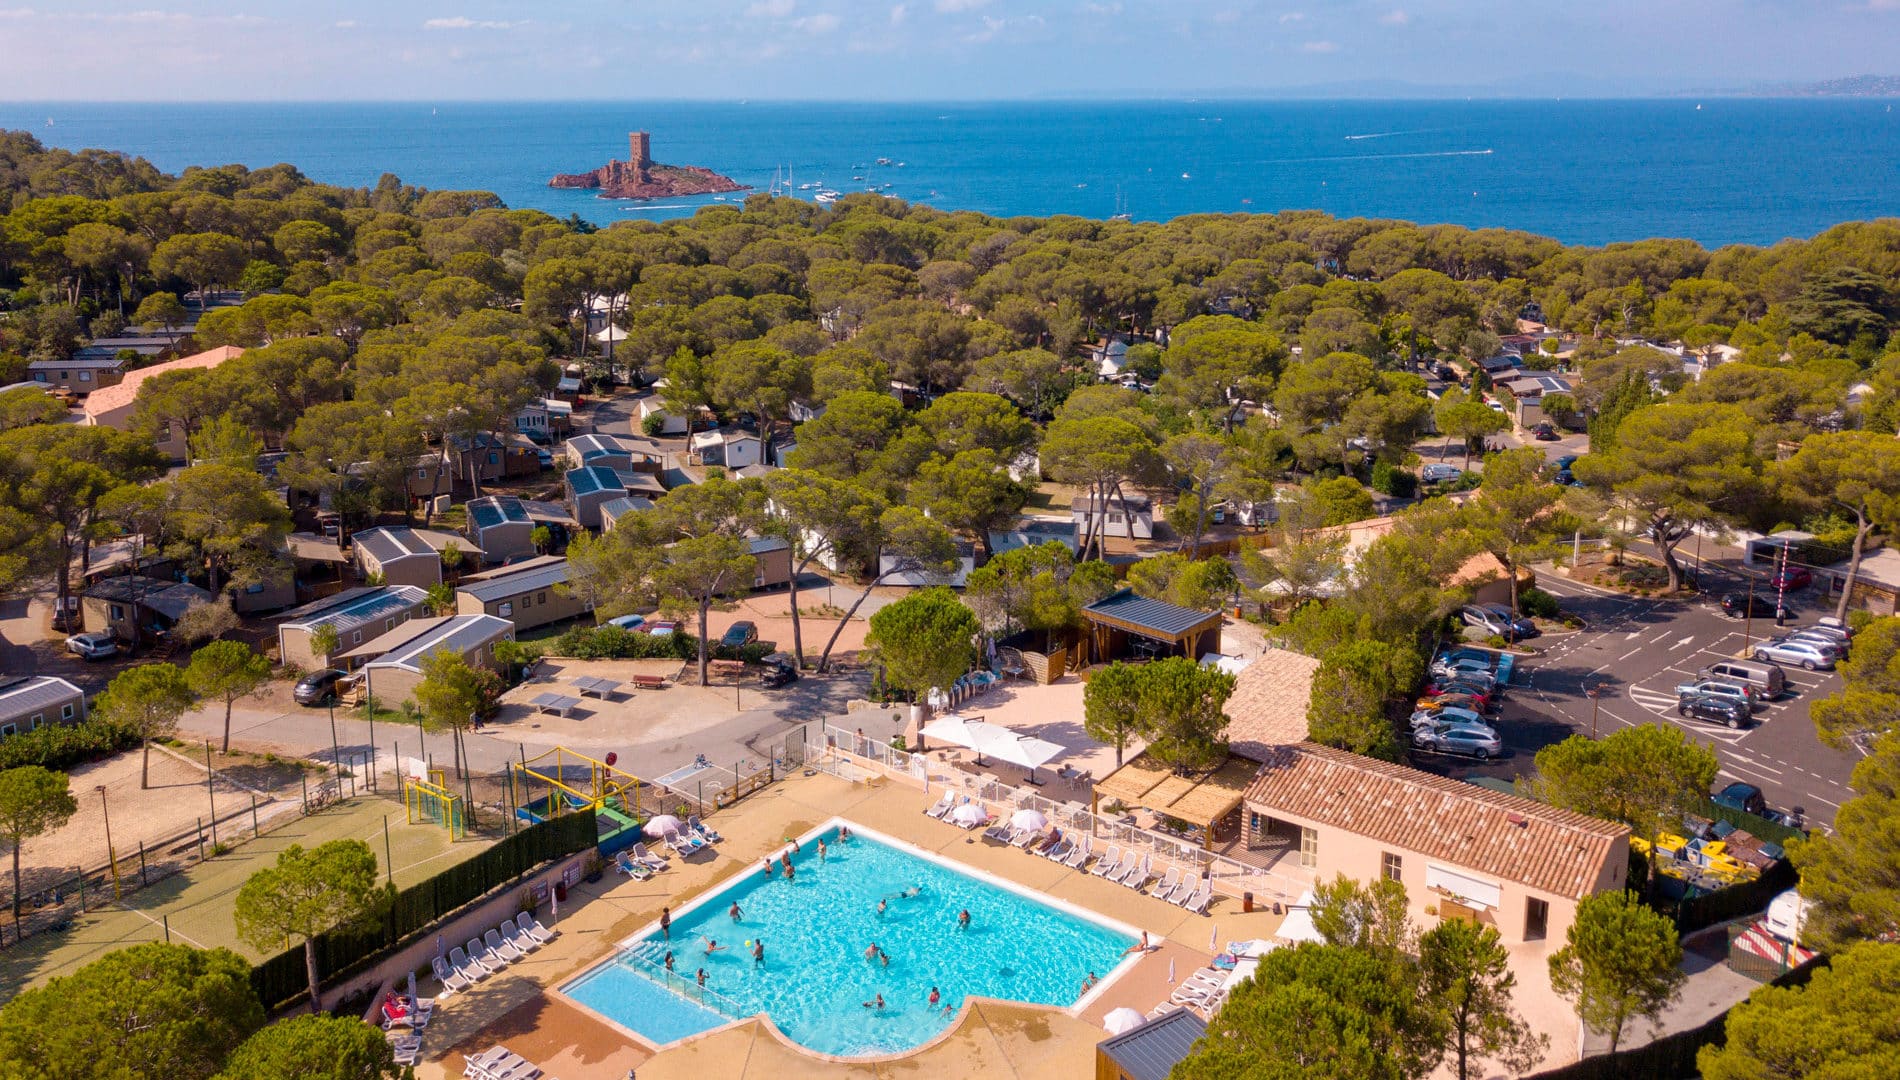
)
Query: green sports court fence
[{"x": 282, "y": 979}]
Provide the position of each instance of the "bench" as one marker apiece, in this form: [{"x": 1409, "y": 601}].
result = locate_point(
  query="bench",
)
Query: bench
[
  {"x": 728, "y": 667},
  {"x": 649, "y": 682}
]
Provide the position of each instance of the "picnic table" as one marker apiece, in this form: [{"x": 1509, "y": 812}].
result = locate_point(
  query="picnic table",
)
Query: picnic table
[
  {"x": 555, "y": 703},
  {"x": 590, "y": 684}
]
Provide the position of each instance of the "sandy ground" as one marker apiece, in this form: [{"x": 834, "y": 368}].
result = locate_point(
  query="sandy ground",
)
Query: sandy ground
[{"x": 175, "y": 803}]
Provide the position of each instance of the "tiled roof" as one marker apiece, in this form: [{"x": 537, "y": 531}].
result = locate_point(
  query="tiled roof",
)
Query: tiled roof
[
  {"x": 1504, "y": 836},
  {"x": 1157, "y": 616},
  {"x": 1268, "y": 705},
  {"x": 124, "y": 393}
]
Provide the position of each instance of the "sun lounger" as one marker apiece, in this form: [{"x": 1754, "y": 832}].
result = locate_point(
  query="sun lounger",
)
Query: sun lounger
[
  {"x": 684, "y": 845},
  {"x": 647, "y": 858},
  {"x": 469, "y": 968},
  {"x": 405, "y": 1048},
  {"x": 519, "y": 940},
  {"x": 1059, "y": 851},
  {"x": 1079, "y": 854},
  {"x": 1167, "y": 884},
  {"x": 998, "y": 833},
  {"x": 699, "y": 828},
  {"x": 942, "y": 806},
  {"x": 532, "y": 927},
  {"x": 500, "y": 947},
  {"x": 1189, "y": 997},
  {"x": 1111, "y": 863},
  {"x": 1025, "y": 837},
  {"x": 482, "y": 955},
  {"x": 626, "y": 864},
  {"x": 453, "y": 982},
  {"x": 478, "y": 1065},
  {"x": 1197, "y": 902},
  {"x": 1135, "y": 876}
]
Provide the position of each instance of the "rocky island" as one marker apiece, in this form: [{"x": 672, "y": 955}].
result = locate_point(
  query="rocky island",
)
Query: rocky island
[{"x": 640, "y": 177}]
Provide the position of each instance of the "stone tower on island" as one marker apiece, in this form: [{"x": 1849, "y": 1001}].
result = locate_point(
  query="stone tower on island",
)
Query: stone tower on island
[
  {"x": 639, "y": 153},
  {"x": 640, "y": 177}
]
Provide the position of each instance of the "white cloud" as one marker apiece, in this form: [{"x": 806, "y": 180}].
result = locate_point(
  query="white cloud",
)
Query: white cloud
[
  {"x": 1101, "y": 9},
  {"x": 1319, "y": 47},
  {"x": 770, "y": 9},
  {"x": 1395, "y": 17},
  {"x": 346, "y": 24},
  {"x": 1292, "y": 17},
  {"x": 899, "y": 13},
  {"x": 462, "y": 22},
  {"x": 1226, "y": 18},
  {"x": 953, "y": 6},
  {"x": 817, "y": 24}
]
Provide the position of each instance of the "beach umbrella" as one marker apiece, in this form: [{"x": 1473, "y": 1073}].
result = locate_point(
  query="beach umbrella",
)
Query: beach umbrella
[
  {"x": 1018, "y": 749},
  {"x": 968, "y": 814},
  {"x": 961, "y": 731},
  {"x": 412, "y": 989},
  {"x": 661, "y": 825},
  {"x": 1213, "y": 938},
  {"x": 1032, "y": 820},
  {"x": 1170, "y": 971},
  {"x": 1123, "y": 1019}
]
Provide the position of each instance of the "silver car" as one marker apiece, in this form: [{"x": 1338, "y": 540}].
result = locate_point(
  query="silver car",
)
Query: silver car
[
  {"x": 97, "y": 645},
  {"x": 1715, "y": 688},
  {"x": 1458, "y": 741},
  {"x": 1810, "y": 655},
  {"x": 1450, "y": 718}
]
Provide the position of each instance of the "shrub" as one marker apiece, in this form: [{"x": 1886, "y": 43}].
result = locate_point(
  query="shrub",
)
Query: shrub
[
  {"x": 1538, "y": 604},
  {"x": 653, "y": 425},
  {"x": 618, "y": 643},
  {"x": 1496, "y": 641},
  {"x": 1859, "y": 620},
  {"x": 61, "y": 746},
  {"x": 1389, "y": 479}
]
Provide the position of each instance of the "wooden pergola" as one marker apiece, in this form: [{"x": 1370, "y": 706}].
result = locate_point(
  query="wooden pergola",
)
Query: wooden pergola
[
  {"x": 1200, "y": 799},
  {"x": 1120, "y": 616}
]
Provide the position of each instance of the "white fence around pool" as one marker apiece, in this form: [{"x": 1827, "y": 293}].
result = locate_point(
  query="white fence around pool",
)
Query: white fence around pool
[{"x": 857, "y": 757}]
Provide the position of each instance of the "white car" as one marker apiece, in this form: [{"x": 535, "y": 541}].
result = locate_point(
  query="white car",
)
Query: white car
[
  {"x": 1808, "y": 654},
  {"x": 1437, "y": 472},
  {"x": 1452, "y": 720},
  {"x": 97, "y": 645}
]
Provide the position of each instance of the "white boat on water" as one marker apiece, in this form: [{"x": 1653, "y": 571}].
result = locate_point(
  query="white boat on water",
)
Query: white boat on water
[{"x": 828, "y": 196}]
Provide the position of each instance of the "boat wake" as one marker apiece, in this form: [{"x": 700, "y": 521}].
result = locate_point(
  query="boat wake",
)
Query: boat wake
[
  {"x": 1376, "y": 157},
  {"x": 1391, "y": 134}
]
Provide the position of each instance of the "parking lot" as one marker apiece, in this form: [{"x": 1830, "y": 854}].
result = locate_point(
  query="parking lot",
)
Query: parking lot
[{"x": 1633, "y": 653}]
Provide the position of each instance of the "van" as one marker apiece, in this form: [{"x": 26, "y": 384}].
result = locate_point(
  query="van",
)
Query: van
[{"x": 1766, "y": 677}]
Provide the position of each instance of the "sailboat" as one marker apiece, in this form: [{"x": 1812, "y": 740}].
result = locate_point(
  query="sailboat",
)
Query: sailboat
[{"x": 1121, "y": 206}]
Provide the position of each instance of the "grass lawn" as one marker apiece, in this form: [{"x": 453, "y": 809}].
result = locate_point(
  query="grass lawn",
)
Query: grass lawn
[{"x": 198, "y": 902}]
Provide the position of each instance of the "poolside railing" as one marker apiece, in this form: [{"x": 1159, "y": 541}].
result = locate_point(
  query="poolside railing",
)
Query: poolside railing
[
  {"x": 1226, "y": 876},
  {"x": 688, "y": 987}
]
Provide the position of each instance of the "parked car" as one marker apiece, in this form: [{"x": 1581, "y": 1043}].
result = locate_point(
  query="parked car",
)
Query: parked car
[
  {"x": 1714, "y": 710},
  {"x": 1739, "y": 692},
  {"x": 1744, "y": 797},
  {"x": 97, "y": 645},
  {"x": 1497, "y": 619},
  {"x": 1825, "y": 635},
  {"x": 1545, "y": 433},
  {"x": 1438, "y": 472},
  {"x": 1450, "y": 718},
  {"x": 739, "y": 634},
  {"x": 626, "y": 622},
  {"x": 1791, "y": 577},
  {"x": 545, "y": 458},
  {"x": 1458, "y": 741},
  {"x": 1485, "y": 696},
  {"x": 1564, "y": 462},
  {"x": 1742, "y": 605},
  {"x": 318, "y": 687},
  {"x": 1499, "y": 665},
  {"x": 779, "y": 671},
  {"x": 662, "y": 627},
  {"x": 1453, "y": 701},
  {"x": 1810, "y": 655},
  {"x": 1463, "y": 665}
]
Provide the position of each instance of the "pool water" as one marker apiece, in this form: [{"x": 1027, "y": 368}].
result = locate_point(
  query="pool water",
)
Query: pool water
[{"x": 815, "y": 977}]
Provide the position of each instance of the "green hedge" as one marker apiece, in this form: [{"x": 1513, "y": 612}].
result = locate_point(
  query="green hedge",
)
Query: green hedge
[
  {"x": 282, "y": 978},
  {"x": 61, "y": 746},
  {"x": 1758, "y": 827},
  {"x": 616, "y": 643}
]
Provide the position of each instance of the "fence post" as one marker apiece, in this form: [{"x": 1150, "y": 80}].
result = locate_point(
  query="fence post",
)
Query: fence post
[
  {"x": 305, "y": 782},
  {"x": 201, "y": 839},
  {"x": 256, "y": 829},
  {"x": 389, "y": 860},
  {"x": 210, "y": 793},
  {"x": 141, "y": 864},
  {"x": 168, "y": 928}
]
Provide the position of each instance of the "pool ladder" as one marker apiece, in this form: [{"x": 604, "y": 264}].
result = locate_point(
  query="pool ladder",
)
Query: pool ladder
[{"x": 652, "y": 956}]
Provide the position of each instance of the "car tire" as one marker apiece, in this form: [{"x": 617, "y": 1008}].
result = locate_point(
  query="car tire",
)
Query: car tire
[
  {"x": 1734, "y": 723},
  {"x": 1682, "y": 710},
  {"x": 1760, "y": 655},
  {"x": 1481, "y": 754},
  {"x": 1808, "y": 665}
]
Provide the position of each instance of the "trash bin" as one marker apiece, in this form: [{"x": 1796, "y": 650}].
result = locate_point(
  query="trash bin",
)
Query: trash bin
[
  {"x": 1246, "y": 901},
  {"x": 560, "y": 889}
]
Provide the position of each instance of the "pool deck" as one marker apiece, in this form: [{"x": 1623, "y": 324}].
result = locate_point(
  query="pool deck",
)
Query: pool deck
[{"x": 570, "y": 1043}]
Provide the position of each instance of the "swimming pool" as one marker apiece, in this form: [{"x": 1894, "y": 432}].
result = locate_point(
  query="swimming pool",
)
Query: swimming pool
[{"x": 815, "y": 977}]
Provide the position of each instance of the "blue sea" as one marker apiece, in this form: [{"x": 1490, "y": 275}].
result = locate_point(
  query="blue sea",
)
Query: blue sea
[{"x": 1718, "y": 171}]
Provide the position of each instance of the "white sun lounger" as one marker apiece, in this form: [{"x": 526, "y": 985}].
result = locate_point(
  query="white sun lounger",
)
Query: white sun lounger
[
  {"x": 453, "y": 981},
  {"x": 480, "y": 953},
  {"x": 1167, "y": 884},
  {"x": 501, "y": 947},
  {"x": 1024, "y": 837},
  {"x": 1080, "y": 854},
  {"x": 1111, "y": 863},
  {"x": 1059, "y": 852},
  {"x": 648, "y": 859},
  {"x": 512, "y": 932},
  {"x": 943, "y": 805},
  {"x": 1136, "y": 875},
  {"x": 469, "y": 968},
  {"x": 532, "y": 927},
  {"x": 1197, "y": 902}
]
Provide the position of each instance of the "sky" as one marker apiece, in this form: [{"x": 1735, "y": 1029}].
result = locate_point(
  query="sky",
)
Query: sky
[{"x": 456, "y": 50}]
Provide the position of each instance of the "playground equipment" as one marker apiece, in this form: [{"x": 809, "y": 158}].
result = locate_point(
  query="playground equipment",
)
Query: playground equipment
[{"x": 430, "y": 801}]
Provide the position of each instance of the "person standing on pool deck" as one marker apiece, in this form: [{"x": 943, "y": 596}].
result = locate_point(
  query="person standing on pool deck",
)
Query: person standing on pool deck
[
  {"x": 963, "y": 919},
  {"x": 734, "y": 911},
  {"x": 666, "y": 923}
]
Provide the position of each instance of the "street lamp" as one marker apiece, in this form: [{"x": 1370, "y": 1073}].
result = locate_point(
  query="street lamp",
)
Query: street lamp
[{"x": 112, "y": 854}]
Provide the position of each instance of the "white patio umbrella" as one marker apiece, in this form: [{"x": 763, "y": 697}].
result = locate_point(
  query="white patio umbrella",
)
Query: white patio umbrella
[
  {"x": 967, "y": 814},
  {"x": 1019, "y": 749},
  {"x": 1123, "y": 1019},
  {"x": 1030, "y": 819},
  {"x": 962, "y": 731},
  {"x": 661, "y": 825}
]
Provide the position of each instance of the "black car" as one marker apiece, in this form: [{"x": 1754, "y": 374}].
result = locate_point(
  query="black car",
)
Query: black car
[
  {"x": 1740, "y": 605},
  {"x": 1744, "y": 797},
  {"x": 739, "y": 635},
  {"x": 318, "y": 687},
  {"x": 1545, "y": 433},
  {"x": 776, "y": 675},
  {"x": 1713, "y": 710}
]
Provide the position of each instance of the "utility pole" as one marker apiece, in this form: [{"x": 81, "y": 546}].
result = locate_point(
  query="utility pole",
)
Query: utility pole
[{"x": 112, "y": 854}]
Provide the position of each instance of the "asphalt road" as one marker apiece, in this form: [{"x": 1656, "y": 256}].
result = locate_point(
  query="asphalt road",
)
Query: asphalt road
[{"x": 1635, "y": 651}]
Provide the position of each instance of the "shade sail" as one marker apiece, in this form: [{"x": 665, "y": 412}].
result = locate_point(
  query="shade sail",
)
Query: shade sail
[{"x": 1017, "y": 749}]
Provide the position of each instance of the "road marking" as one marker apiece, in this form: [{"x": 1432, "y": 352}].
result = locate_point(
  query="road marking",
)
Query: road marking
[
  {"x": 172, "y": 930},
  {"x": 1753, "y": 764},
  {"x": 1627, "y": 655},
  {"x": 1685, "y": 641},
  {"x": 1632, "y": 635}
]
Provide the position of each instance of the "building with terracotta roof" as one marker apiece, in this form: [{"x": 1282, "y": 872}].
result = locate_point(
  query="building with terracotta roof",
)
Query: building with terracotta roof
[
  {"x": 1466, "y": 851},
  {"x": 112, "y": 406},
  {"x": 1268, "y": 705}
]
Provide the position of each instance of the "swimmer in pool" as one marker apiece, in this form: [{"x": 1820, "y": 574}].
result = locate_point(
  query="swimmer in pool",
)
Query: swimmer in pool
[
  {"x": 734, "y": 911},
  {"x": 758, "y": 952},
  {"x": 713, "y": 946},
  {"x": 844, "y": 833},
  {"x": 769, "y": 869},
  {"x": 871, "y": 951},
  {"x": 884, "y": 957},
  {"x": 935, "y": 998},
  {"x": 821, "y": 851},
  {"x": 963, "y": 919},
  {"x": 669, "y": 960},
  {"x": 881, "y": 905},
  {"x": 1090, "y": 982},
  {"x": 790, "y": 873},
  {"x": 875, "y": 1003},
  {"x": 702, "y": 978}
]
